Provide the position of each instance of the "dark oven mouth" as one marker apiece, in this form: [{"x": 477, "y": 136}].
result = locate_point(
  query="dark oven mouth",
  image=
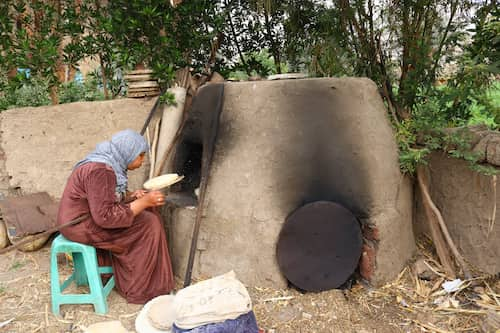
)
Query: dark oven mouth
[{"x": 187, "y": 162}]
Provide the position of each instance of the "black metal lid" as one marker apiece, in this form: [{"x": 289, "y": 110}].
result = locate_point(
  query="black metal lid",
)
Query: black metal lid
[{"x": 319, "y": 246}]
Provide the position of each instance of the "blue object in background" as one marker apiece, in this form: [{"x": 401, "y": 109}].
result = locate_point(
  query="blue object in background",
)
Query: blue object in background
[
  {"x": 246, "y": 323},
  {"x": 25, "y": 71},
  {"x": 78, "y": 77}
]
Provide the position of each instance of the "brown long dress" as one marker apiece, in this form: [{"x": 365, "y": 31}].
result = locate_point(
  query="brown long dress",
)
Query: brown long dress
[{"x": 138, "y": 246}]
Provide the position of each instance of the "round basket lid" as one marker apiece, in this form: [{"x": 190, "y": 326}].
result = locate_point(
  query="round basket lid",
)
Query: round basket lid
[
  {"x": 319, "y": 246},
  {"x": 162, "y": 181}
]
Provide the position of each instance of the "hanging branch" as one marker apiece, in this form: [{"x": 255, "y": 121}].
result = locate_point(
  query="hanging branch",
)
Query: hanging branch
[
  {"x": 233, "y": 31},
  {"x": 274, "y": 48},
  {"x": 454, "y": 7}
]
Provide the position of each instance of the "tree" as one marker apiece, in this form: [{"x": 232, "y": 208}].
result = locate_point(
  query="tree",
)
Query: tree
[
  {"x": 401, "y": 45},
  {"x": 33, "y": 35}
]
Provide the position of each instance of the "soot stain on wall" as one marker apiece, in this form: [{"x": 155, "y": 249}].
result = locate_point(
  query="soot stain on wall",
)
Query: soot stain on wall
[{"x": 322, "y": 151}]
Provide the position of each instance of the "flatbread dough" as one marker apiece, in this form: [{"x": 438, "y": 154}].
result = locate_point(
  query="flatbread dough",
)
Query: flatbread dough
[{"x": 162, "y": 181}]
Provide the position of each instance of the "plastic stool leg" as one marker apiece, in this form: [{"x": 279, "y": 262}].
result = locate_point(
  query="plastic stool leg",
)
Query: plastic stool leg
[
  {"x": 55, "y": 288},
  {"x": 79, "y": 269},
  {"x": 95, "y": 283}
]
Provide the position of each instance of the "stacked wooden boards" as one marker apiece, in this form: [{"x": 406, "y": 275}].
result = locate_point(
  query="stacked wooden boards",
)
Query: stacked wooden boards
[{"x": 141, "y": 83}]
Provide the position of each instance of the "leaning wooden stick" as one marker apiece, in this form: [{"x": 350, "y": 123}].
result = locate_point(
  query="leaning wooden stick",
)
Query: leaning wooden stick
[
  {"x": 428, "y": 201},
  {"x": 45, "y": 233},
  {"x": 442, "y": 249}
]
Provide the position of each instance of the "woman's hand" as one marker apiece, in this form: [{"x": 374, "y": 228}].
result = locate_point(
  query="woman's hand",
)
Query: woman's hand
[
  {"x": 154, "y": 198},
  {"x": 139, "y": 193},
  {"x": 149, "y": 199}
]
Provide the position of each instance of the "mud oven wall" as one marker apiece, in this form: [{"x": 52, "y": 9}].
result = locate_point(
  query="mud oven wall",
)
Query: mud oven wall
[{"x": 280, "y": 145}]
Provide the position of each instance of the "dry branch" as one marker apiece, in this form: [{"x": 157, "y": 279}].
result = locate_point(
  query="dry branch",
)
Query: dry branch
[
  {"x": 437, "y": 238},
  {"x": 434, "y": 217}
]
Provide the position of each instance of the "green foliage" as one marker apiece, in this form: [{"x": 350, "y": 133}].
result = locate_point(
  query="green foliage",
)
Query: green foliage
[
  {"x": 165, "y": 74},
  {"x": 34, "y": 36},
  {"x": 74, "y": 91},
  {"x": 154, "y": 34},
  {"x": 409, "y": 154},
  {"x": 485, "y": 47},
  {"x": 114, "y": 81},
  {"x": 168, "y": 98},
  {"x": 471, "y": 96},
  {"x": 256, "y": 64},
  {"x": 451, "y": 106},
  {"x": 238, "y": 76},
  {"x": 21, "y": 92},
  {"x": 404, "y": 46},
  {"x": 424, "y": 132}
]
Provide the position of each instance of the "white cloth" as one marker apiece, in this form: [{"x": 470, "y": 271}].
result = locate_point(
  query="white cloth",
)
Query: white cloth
[{"x": 211, "y": 301}]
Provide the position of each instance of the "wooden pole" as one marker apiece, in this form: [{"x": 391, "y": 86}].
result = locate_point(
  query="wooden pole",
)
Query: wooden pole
[
  {"x": 208, "y": 150},
  {"x": 45, "y": 233}
]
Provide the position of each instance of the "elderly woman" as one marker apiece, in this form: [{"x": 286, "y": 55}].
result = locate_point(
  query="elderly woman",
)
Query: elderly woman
[{"x": 132, "y": 234}]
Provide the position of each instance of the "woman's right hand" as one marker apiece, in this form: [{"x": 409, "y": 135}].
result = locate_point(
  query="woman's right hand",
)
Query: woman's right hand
[
  {"x": 155, "y": 198},
  {"x": 150, "y": 199}
]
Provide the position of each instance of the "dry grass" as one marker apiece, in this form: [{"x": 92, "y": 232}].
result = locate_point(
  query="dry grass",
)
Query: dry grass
[{"x": 407, "y": 304}]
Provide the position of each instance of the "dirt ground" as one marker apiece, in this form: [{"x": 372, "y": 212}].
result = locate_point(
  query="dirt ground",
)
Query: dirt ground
[{"x": 408, "y": 304}]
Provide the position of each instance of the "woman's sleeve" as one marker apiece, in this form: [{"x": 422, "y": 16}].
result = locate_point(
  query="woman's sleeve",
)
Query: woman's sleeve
[{"x": 105, "y": 211}]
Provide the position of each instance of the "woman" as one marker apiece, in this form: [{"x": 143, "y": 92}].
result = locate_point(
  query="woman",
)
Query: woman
[{"x": 134, "y": 236}]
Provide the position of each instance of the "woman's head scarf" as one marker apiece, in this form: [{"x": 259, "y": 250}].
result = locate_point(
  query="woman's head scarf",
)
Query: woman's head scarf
[{"x": 123, "y": 148}]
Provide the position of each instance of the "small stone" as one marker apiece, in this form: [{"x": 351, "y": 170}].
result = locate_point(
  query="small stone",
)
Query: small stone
[
  {"x": 106, "y": 327},
  {"x": 287, "y": 314},
  {"x": 479, "y": 290}
]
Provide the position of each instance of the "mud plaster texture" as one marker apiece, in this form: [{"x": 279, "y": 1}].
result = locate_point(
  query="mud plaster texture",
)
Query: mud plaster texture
[
  {"x": 282, "y": 144},
  {"x": 469, "y": 204},
  {"x": 41, "y": 145}
]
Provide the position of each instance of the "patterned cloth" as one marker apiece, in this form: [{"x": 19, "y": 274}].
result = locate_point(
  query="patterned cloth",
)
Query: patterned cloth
[{"x": 246, "y": 323}]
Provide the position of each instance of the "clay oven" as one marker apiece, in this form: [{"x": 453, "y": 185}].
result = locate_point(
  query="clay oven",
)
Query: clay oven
[{"x": 279, "y": 146}]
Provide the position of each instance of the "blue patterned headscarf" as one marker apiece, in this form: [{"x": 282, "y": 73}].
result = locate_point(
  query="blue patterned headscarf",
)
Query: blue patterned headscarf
[{"x": 123, "y": 148}]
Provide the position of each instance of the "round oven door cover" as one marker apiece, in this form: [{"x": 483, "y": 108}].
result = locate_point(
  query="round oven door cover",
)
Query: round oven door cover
[{"x": 319, "y": 246}]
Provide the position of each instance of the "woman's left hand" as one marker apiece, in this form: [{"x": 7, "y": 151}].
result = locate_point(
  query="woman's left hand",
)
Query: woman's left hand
[{"x": 139, "y": 193}]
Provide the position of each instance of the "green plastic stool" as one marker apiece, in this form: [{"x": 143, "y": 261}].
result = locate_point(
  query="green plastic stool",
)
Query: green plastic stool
[{"x": 85, "y": 272}]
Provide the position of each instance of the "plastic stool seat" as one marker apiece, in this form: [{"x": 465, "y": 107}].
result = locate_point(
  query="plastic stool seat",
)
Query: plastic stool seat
[{"x": 85, "y": 272}]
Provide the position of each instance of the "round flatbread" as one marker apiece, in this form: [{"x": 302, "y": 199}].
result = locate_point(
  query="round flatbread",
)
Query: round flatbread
[
  {"x": 162, "y": 181},
  {"x": 161, "y": 313},
  {"x": 143, "y": 322}
]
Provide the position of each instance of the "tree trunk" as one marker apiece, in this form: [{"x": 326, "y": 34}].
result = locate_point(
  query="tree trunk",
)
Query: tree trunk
[
  {"x": 54, "y": 96},
  {"x": 104, "y": 79},
  {"x": 274, "y": 48}
]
